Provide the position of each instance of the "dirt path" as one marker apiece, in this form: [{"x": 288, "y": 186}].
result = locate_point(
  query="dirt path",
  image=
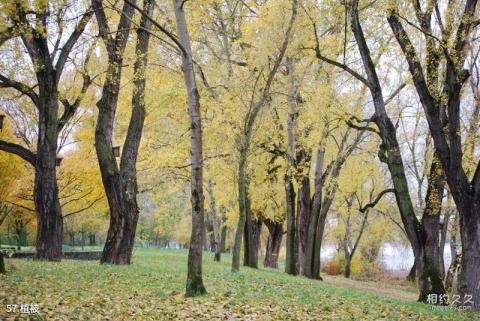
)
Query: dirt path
[{"x": 397, "y": 292}]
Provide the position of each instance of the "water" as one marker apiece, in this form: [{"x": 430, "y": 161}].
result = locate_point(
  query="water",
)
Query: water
[{"x": 393, "y": 256}]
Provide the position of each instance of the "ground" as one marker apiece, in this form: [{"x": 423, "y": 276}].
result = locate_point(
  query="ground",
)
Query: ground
[{"x": 152, "y": 289}]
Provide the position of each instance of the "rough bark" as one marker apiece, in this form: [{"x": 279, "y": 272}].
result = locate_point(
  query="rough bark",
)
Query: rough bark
[
  {"x": 430, "y": 279},
  {"x": 120, "y": 182},
  {"x": 291, "y": 244},
  {"x": 194, "y": 276},
  {"x": 303, "y": 221},
  {"x": 274, "y": 243}
]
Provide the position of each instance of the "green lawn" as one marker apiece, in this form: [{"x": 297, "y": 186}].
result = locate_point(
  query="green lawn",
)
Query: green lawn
[{"x": 152, "y": 289}]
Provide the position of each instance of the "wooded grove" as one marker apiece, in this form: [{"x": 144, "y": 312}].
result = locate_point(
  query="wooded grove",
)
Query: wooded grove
[{"x": 333, "y": 142}]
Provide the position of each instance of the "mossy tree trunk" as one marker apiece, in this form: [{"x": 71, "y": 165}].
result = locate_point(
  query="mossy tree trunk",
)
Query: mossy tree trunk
[{"x": 120, "y": 182}]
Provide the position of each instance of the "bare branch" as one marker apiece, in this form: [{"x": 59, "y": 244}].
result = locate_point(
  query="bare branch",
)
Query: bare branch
[{"x": 18, "y": 150}]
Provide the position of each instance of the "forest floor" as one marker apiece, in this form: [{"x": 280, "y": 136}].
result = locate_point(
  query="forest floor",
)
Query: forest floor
[{"x": 152, "y": 289}]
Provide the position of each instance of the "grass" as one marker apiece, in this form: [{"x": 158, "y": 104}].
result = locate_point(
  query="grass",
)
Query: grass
[{"x": 152, "y": 289}]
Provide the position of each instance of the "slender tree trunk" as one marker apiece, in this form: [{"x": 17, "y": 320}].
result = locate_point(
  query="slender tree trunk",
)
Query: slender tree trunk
[
  {"x": 257, "y": 231},
  {"x": 274, "y": 242},
  {"x": 316, "y": 220},
  {"x": 346, "y": 245},
  {"x": 223, "y": 238},
  {"x": 291, "y": 245},
  {"x": 242, "y": 213},
  {"x": 194, "y": 275},
  {"x": 2, "y": 264},
  {"x": 216, "y": 223}
]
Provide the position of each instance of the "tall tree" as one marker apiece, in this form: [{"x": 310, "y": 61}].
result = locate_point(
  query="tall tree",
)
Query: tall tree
[
  {"x": 48, "y": 65},
  {"x": 429, "y": 280},
  {"x": 440, "y": 96},
  {"x": 120, "y": 182},
  {"x": 194, "y": 276}
]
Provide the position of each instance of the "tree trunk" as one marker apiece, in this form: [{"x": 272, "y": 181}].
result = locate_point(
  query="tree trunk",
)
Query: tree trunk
[
  {"x": 469, "y": 279},
  {"x": 216, "y": 223},
  {"x": 428, "y": 266},
  {"x": 291, "y": 245},
  {"x": 348, "y": 266},
  {"x": 72, "y": 239},
  {"x": 250, "y": 258},
  {"x": 92, "y": 239},
  {"x": 120, "y": 183},
  {"x": 47, "y": 205},
  {"x": 242, "y": 213},
  {"x": 274, "y": 242},
  {"x": 316, "y": 221},
  {"x": 2, "y": 264},
  {"x": 223, "y": 238},
  {"x": 194, "y": 276},
  {"x": 303, "y": 221},
  {"x": 346, "y": 244},
  {"x": 430, "y": 280}
]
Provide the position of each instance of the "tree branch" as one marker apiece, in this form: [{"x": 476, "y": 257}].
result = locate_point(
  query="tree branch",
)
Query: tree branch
[
  {"x": 376, "y": 200},
  {"x": 18, "y": 150},
  {"x": 159, "y": 26},
  {"x": 335, "y": 63},
  {"x": 67, "y": 48},
  {"x": 83, "y": 209},
  {"x": 22, "y": 88}
]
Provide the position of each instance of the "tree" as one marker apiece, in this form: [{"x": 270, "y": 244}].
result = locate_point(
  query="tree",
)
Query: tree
[
  {"x": 194, "y": 275},
  {"x": 120, "y": 182},
  {"x": 48, "y": 65},
  {"x": 426, "y": 258},
  {"x": 440, "y": 95},
  {"x": 256, "y": 104}
]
